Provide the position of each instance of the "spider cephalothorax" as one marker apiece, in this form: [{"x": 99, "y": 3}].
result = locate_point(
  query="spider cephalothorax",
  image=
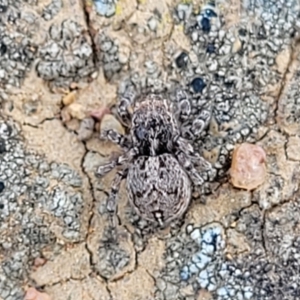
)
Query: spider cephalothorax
[
  {"x": 153, "y": 127},
  {"x": 158, "y": 163}
]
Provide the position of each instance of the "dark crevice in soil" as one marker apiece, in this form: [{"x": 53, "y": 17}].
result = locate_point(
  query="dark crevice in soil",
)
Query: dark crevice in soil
[
  {"x": 91, "y": 188},
  {"x": 91, "y": 33}
]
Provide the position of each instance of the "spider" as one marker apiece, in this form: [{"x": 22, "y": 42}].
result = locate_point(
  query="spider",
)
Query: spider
[{"x": 158, "y": 163}]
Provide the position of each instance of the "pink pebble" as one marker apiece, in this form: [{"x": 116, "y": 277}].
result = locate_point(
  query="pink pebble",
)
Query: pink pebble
[{"x": 248, "y": 167}]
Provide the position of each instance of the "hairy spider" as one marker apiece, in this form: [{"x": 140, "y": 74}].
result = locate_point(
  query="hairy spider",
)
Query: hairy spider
[{"x": 158, "y": 162}]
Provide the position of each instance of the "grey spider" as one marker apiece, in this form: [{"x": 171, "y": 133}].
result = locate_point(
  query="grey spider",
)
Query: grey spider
[{"x": 158, "y": 163}]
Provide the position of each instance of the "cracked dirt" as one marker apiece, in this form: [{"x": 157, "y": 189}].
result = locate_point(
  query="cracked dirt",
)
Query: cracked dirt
[{"x": 63, "y": 65}]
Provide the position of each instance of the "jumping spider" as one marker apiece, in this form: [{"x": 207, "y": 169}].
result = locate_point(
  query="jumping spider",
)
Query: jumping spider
[{"x": 158, "y": 162}]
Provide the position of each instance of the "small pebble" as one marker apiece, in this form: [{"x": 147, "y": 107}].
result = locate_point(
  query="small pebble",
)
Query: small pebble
[
  {"x": 152, "y": 24},
  {"x": 104, "y": 8},
  {"x": 77, "y": 111},
  {"x": 237, "y": 45},
  {"x": 2, "y": 146},
  {"x": 39, "y": 261},
  {"x": 242, "y": 32},
  {"x": 205, "y": 25},
  {"x": 181, "y": 60},
  {"x": 198, "y": 85},
  {"x": 69, "y": 98},
  {"x": 86, "y": 129},
  {"x": 248, "y": 168},
  {"x": 124, "y": 54},
  {"x": 3, "y": 48},
  {"x": 189, "y": 228},
  {"x": 2, "y": 186},
  {"x": 110, "y": 122}
]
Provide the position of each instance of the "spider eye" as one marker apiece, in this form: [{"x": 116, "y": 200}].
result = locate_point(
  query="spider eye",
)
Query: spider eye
[{"x": 141, "y": 133}]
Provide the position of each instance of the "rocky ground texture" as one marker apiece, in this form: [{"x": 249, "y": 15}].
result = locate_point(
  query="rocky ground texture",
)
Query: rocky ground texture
[{"x": 63, "y": 64}]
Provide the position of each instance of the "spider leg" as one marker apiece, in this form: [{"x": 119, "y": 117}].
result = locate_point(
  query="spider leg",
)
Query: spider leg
[
  {"x": 189, "y": 159},
  {"x": 184, "y": 146},
  {"x": 201, "y": 121},
  {"x": 117, "y": 138},
  {"x": 111, "y": 204},
  {"x": 124, "y": 108},
  {"x": 186, "y": 163},
  {"x": 183, "y": 105},
  {"x": 122, "y": 159},
  {"x": 193, "y": 129}
]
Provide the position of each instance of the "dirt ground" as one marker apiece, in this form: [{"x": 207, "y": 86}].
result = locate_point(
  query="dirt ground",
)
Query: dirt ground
[{"x": 64, "y": 65}]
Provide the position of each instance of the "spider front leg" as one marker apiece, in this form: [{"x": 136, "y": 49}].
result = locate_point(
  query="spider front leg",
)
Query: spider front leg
[
  {"x": 117, "y": 138},
  {"x": 125, "y": 107},
  {"x": 183, "y": 105},
  {"x": 191, "y": 129}
]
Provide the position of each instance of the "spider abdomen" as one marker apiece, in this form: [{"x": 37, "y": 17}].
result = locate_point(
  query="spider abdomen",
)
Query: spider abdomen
[{"x": 158, "y": 188}]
